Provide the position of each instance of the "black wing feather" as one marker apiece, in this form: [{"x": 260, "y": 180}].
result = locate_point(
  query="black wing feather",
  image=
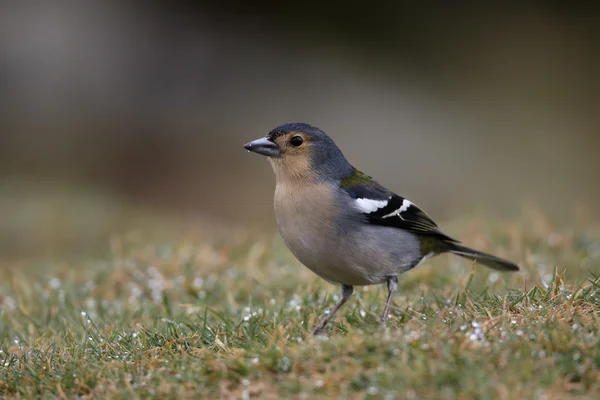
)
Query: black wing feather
[{"x": 412, "y": 219}]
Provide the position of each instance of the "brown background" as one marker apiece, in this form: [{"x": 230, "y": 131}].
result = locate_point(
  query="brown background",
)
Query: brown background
[{"x": 106, "y": 108}]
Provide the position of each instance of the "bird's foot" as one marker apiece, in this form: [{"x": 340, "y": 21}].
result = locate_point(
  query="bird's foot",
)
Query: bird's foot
[{"x": 384, "y": 317}]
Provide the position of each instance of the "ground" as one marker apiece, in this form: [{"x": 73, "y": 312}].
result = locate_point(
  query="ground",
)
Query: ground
[{"x": 205, "y": 315}]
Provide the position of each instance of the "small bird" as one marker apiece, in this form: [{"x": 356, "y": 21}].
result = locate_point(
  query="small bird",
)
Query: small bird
[{"x": 343, "y": 225}]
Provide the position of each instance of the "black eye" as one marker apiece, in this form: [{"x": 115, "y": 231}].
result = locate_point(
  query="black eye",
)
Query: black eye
[{"x": 297, "y": 141}]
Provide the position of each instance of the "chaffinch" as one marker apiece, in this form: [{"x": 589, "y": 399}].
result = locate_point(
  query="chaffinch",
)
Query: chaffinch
[{"x": 342, "y": 224}]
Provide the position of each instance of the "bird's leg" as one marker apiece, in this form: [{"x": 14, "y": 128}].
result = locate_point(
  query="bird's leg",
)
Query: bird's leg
[
  {"x": 392, "y": 284},
  {"x": 346, "y": 293}
]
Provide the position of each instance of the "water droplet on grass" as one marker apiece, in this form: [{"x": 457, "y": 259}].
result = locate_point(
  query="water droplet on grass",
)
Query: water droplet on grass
[
  {"x": 372, "y": 390},
  {"x": 10, "y": 303}
]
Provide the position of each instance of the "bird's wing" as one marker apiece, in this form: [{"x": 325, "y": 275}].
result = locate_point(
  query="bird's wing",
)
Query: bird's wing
[{"x": 383, "y": 207}]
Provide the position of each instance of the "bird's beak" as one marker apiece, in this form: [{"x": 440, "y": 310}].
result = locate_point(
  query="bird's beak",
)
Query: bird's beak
[{"x": 264, "y": 147}]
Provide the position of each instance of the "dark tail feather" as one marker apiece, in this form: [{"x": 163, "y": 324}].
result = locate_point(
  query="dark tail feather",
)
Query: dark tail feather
[{"x": 486, "y": 259}]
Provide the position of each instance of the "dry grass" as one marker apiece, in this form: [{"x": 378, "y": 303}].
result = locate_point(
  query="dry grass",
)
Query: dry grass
[{"x": 203, "y": 315}]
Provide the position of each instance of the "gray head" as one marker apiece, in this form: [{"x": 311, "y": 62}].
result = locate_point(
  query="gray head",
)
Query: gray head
[{"x": 302, "y": 151}]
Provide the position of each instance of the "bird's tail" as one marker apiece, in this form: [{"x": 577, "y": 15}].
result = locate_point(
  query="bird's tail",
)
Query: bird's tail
[{"x": 488, "y": 260}]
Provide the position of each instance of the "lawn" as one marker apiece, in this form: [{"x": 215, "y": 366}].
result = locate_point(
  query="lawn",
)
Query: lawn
[{"x": 201, "y": 314}]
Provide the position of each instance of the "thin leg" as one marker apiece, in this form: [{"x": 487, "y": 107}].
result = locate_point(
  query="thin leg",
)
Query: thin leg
[
  {"x": 392, "y": 284},
  {"x": 346, "y": 293}
]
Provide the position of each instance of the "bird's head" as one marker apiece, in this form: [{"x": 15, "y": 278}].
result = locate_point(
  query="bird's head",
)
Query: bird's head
[{"x": 301, "y": 151}]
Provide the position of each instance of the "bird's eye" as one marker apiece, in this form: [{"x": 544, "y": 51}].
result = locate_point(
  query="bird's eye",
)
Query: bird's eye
[{"x": 297, "y": 141}]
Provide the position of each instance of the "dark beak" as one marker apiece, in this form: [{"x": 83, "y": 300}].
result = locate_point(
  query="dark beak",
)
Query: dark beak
[{"x": 264, "y": 147}]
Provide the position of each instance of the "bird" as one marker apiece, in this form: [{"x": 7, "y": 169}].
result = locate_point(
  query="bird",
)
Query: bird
[{"x": 342, "y": 224}]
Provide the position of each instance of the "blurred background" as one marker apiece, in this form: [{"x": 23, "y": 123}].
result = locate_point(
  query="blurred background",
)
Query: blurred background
[{"x": 115, "y": 112}]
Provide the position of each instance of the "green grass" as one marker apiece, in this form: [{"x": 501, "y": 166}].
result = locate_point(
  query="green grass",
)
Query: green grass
[{"x": 205, "y": 315}]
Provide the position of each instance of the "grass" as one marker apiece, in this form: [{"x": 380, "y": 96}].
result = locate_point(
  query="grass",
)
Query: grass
[{"x": 204, "y": 315}]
